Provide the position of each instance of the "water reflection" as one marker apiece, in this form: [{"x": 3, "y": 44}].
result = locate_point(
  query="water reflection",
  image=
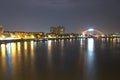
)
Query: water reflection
[
  {"x": 118, "y": 40},
  {"x": 109, "y": 42},
  {"x": 82, "y": 47},
  {"x": 19, "y": 51},
  {"x": 90, "y": 71},
  {"x": 81, "y": 42},
  {"x": 49, "y": 54},
  {"x": 3, "y": 50},
  {"x": 62, "y": 47},
  {"x": 70, "y": 41},
  {"x": 13, "y": 55},
  {"x": 32, "y": 50},
  {"x": 25, "y": 50},
  {"x": 103, "y": 40},
  {"x": 9, "y": 55},
  {"x": 90, "y": 53},
  {"x": 3, "y": 59},
  {"x": 13, "y": 50},
  {"x": 32, "y": 58},
  {"x": 27, "y": 60}
]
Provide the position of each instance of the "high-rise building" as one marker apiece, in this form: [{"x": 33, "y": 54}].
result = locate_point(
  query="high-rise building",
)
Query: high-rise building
[
  {"x": 53, "y": 29},
  {"x": 57, "y": 30},
  {"x": 60, "y": 30}
]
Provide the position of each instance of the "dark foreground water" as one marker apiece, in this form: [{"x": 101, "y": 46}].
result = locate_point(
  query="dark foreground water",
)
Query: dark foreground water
[{"x": 81, "y": 59}]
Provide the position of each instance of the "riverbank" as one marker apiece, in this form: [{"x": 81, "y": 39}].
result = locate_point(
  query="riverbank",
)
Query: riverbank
[{"x": 42, "y": 39}]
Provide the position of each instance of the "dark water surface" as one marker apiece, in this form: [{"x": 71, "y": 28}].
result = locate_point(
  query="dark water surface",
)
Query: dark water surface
[{"x": 80, "y": 59}]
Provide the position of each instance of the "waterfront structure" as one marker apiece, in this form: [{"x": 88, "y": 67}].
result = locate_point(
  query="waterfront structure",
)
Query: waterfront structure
[
  {"x": 92, "y": 33},
  {"x": 55, "y": 33}
]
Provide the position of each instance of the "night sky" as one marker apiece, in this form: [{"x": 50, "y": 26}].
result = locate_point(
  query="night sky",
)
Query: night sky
[{"x": 75, "y": 15}]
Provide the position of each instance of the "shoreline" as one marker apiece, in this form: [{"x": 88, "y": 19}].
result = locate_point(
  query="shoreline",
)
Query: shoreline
[{"x": 46, "y": 39}]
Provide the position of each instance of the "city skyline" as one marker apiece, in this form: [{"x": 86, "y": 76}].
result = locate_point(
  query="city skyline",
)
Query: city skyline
[{"x": 74, "y": 15}]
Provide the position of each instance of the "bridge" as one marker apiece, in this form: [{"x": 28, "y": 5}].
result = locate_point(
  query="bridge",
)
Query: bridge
[{"x": 92, "y": 33}]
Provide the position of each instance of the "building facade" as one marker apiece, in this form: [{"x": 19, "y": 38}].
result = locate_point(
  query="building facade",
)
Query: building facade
[
  {"x": 60, "y": 30},
  {"x": 57, "y": 30},
  {"x": 53, "y": 29}
]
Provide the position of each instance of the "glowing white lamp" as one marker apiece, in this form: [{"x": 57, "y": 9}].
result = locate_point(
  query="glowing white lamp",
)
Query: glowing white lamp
[{"x": 91, "y": 29}]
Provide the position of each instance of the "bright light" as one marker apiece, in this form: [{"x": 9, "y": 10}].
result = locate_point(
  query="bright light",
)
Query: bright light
[
  {"x": 91, "y": 29},
  {"x": 103, "y": 35}
]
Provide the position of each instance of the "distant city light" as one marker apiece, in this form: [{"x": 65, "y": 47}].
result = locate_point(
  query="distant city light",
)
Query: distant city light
[{"x": 91, "y": 29}]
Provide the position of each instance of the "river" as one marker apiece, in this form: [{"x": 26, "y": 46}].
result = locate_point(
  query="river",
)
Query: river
[{"x": 71, "y": 59}]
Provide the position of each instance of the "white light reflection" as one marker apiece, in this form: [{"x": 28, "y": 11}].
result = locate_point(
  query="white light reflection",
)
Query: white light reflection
[
  {"x": 90, "y": 45},
  {"x": 90, "y": 57},
  {"x": 81, "y": 42},
  {"x": 9, "y": 55},
  {"x": 70, "y": 41},
  {"x": 8, "y": 49}
]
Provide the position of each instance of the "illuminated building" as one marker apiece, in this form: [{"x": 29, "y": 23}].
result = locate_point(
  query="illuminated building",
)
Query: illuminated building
[
  {"x": 57, "y": 30},
  {"x": 26, "y": 35},
  {"x": 60, "y": 30},
  {"x": 53, "y": 29}
]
